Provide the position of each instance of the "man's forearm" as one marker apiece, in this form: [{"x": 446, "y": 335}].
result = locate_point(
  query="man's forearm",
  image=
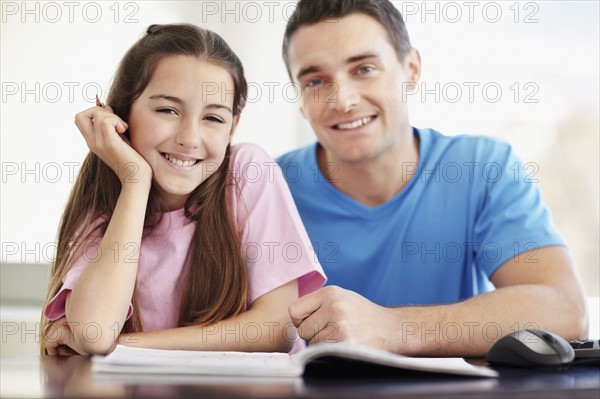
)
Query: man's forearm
[{"x": 470, "y": 327}]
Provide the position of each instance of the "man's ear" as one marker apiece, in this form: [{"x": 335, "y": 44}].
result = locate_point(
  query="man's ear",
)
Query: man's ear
[
  {"x": 234, "y": 125},
  {"x": 302, "y": 112},
  {"x": 412, "y": 65}
]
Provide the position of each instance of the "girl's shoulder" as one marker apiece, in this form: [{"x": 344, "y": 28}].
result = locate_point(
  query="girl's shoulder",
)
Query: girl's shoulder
[
  {"x": 246, "y": 153},
  {"x": 253, "y": 170},
  {"x": 249, "y": 163}
]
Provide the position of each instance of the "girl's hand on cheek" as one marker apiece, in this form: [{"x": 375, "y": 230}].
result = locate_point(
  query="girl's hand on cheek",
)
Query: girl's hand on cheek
[{"x": 104, "y": 132}]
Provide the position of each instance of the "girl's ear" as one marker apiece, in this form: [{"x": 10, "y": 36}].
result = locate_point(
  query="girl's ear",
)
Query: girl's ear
[{"x": 234, "y": 124}]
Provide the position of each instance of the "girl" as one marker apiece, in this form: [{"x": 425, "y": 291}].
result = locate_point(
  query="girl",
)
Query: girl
[{"x": 170, "y": 234}]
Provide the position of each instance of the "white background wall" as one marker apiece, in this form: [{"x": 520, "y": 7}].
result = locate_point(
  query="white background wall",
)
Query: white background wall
[{"x": 543, "y": 56}]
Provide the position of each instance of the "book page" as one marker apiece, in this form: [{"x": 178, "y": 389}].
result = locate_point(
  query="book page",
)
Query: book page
[
  {"x": 126, "y": 359},
  {"x": 446, "y": 365}
]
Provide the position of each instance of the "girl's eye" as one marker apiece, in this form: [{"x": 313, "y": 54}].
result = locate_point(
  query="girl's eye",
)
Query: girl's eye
[
  {"x": 167, "y": 111},
  {"x": 214, "y": 119}
]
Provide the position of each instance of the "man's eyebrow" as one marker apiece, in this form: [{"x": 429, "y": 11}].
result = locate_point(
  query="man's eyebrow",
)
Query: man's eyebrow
[
  {"x": 307, "y": 70},
  {"x": 361, "y": 57},
  {"x": 349, "y": 60},
  {"x": 180, "y": 102}
]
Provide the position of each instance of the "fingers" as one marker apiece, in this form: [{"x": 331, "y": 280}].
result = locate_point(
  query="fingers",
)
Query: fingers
[
  {"x": 97, "y": 121},
  {"x": 62, "y": 343},
  {"x": 64, "y": 350},
  {"x": 105, "y": 127},
  {"x": 51, "y": 348},
  {"x": 327, "y": 298},
  {"x": 60, "y": 350},
  {"x": 328, "y": 334},
  {"x": 317, "y": 327},
  {"x": 316, "y": 315},
  {"x": 121, "y": 126},
  {"x": 103, "y": 133},
  {"x": 305, "y": 306},
  {"x": 84, "y": 122},
  {"x": 53, "y": 340}
]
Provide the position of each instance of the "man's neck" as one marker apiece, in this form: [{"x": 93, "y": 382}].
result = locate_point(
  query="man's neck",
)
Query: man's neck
[{"x": 374, "y": 182}]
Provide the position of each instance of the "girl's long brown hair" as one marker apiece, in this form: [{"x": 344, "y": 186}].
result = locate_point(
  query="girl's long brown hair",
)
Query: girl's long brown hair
[{"x": 215, "y": 284}]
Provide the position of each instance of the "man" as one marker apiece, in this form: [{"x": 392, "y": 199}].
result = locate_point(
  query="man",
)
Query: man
[{"x": 411, "y": 225}]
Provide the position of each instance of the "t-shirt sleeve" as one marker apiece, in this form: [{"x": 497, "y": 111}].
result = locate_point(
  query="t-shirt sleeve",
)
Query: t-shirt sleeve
[
  {"x": 275, "y": 244},
  {"x": 56, "y": 308},
  {"x": 512, "y": 218}
]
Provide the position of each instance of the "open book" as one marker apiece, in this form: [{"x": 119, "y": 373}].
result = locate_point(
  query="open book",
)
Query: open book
[{"x": 126, "y": 359}]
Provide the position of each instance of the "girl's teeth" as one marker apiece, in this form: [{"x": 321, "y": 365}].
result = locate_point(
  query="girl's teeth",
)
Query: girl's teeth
[
  {"x": 355, "y": 124},
  {"x": 179, "y": 162}
]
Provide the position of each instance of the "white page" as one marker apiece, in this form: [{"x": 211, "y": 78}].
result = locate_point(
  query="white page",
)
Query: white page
[
  {"x": 450, "y": 365},
  {"x": 142, "y": 360},
  {"x": 156, "y": 361}
]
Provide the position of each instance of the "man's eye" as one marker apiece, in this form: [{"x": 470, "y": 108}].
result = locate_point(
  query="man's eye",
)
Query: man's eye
[
  {"x": 314, "y": 82},
  {"x": 366, "y": 69},
  {"x": 214, "y": 119}
]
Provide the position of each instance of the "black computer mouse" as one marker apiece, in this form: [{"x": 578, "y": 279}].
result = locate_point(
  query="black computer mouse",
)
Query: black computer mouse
[{"x": 531, "y": 348}]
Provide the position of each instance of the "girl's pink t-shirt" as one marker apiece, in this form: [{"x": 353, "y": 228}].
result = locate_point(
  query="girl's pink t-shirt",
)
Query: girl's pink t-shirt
[{"x": 274, "y": 243}]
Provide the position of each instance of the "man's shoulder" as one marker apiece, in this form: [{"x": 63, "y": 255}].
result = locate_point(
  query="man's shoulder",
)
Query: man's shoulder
[
  {"x": 470, "y": 146},
  {"x": 463, "y": 139},
  {"x": 302, "y": 155}
]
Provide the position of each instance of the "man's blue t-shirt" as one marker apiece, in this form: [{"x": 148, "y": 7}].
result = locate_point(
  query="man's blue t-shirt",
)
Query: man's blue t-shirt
[{"x": 470, "y": 206}]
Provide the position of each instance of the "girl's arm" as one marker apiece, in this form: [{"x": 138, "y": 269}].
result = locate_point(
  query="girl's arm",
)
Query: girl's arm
[
  {"x": 96, "y": 308},
  {"x": 265, "y": 327}
]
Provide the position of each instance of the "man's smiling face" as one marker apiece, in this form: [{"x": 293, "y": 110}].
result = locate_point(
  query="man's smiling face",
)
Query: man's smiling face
[{"x": 352, "y": 86}]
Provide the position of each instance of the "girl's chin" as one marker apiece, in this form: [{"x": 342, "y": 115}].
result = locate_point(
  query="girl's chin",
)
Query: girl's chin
[{"x": 175, "y": 198}]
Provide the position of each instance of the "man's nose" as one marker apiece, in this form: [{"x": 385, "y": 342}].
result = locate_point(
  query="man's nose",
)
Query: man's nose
[{"x": 344, "y": 97}]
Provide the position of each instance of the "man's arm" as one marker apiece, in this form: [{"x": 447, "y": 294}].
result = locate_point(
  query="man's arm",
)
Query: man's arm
[{"x": 537, "y": 289}]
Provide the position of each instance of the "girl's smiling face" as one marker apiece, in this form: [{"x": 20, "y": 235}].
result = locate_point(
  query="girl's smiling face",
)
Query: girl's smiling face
[{"x": 182, "y": 124}]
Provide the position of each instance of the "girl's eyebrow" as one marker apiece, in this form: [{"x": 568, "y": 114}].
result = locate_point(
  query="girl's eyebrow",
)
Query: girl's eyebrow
[
  {"x": 178, "y": 100},
  {"x": 219, "y": 106},
  {"x": 166, "y": 97}
]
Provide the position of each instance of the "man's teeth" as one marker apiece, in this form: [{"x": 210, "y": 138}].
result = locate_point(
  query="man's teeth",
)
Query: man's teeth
[
  {"x": 355, "y": 124},
  {"x": 179, "y": 162}
]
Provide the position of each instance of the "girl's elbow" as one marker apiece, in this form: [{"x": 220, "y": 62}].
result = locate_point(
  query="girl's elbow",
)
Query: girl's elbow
[
  {"x": 285, "y": 346},
  {"x": 282, "y": 346},
  {"x": 97, "y": 345},
  {"x": 275, "y": 340},
  {"x": 284, "y": 342}
]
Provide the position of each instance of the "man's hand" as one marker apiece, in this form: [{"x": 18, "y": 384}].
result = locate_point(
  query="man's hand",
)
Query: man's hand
[
  {"x": 333, "y": 314},
  {"x": 60, "y": 341}
]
